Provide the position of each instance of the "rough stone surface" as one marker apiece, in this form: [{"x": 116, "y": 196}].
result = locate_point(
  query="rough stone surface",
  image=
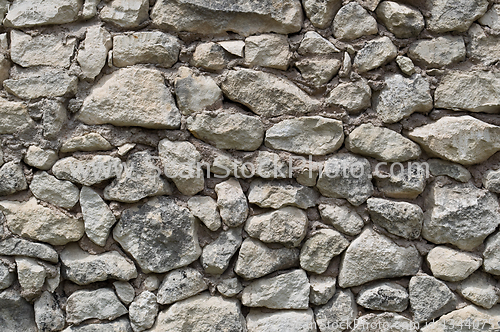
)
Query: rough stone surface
[
  {"x": 353, "y": 21},
  {"x": 314, "y": 44},
  {"x": 480, "y": 289},
  {"x": 277, "y": 194},
  {"x": 343, "y": 218},
  {"x": 321, "y": 12},
  {"x": 340, "y": 309},
  {"x": 230, "y": 287},
  {"x": 31, "y": 276},
  {"x": 12, "y": 179},
  {"x": 88, "y": 171},
  {"x": 491, "y": 181},
  {"x": 125, "y": 291},
  {"x": 405, "y": 182},
  {"x": 88, "y": 143},
  {"x": 93, "y": 53},
  {"x": 454, "y": 15},
  {"x": 385, "y": 322},
  {"x": 205, "y": 209},
  {"x": 15, "y": 117},
  {"x": 21, "y": 247},
  {"x": 97, "y": 216},
  {"x": 40, "y": 158},
  {"x": 451, "y": 264},
  {"x": 217, "y": 255},
  {"x": 375, "y": 53},
  {"x": 285, "y": 320},
  {"x": 468, "y": 314},
  {"x": 384, "y": 296},
  {"x": 43, "y": 83},
  {"x": 353, "y": 96},
  {"x": 491, "y": 256},
  {"x": 438, "y": 52},
  {"x": 47, "y": 188},
  {"x": 492, "y": 17},
  {"x": 101, "y": 304},
  {"x": 403, "y": 21},
  {"x": 143, "y": 311},
  {"x": 48, "y": 314},
  {"x": 118, "y": 325},
  {"x": 180, "y": 284},
  {"x": 406, "y": 65},
  {"x": 268, "y": 50},
  {"x": 320, "y": 248},
  {"x": 209, "y": 56},
  {"x": 124, "y": 13},
  {"x": 20, "y": 13},
  {"x": 16, "y": 314},
  {"x": 322, "y": 289},
  {"x": 438, "y": 167},
  {"x": 232, "y": 202},
  {"x": 318, "y": 72}
]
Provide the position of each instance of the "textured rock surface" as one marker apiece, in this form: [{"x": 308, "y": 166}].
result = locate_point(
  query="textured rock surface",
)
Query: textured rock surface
[
  {"x": 21, "y": 247},
  {"x": 322, "y": 289},
  {"x": 97, "y": 216},
  {"x": 285, "y": 320},
  {"x": 20, "y": 14},
  {"x": 277, "y": 194},
  {"x": 455, "y": 15},
  {"x": 374, "y": 54},
  {"x": 384, "y": 296},
  {"x": 93, "y": 53},
  {"x": 232, "y": 203},
  {"x": 469, "y": 313},
  {"x": 205, "y": 209},
  {"x": 353, "y": 96},
  {"x": 403, "y": 21},
  {"x": 320, "y": 248},
  {"x": 320, "y": 12},
  {"x": 143, "y": 311},
  {"x": 16, "y": 313},
  {"x": 218, "y": 254},
  {"x": 353, "y": 21},
  {"x": 438, "y": 52},
  {"x": 491, "y": 256},
  {"x": 125, "y": 14},
  {"x": 268, "y": 50},
  {"x": 480, "y": 289},
  {"x": 343, "y": 218},
  {"x": 12, "y": 179},
  {"x": 40, "y": 158},
  {"x": 101, "y": 304},
  {"x": 180, "y": 284},
  {"x": 341, "y": 309},
  {"x": 43, "y": 83},
  {"x": 89, "y": 171},
  {"x": 385, "y": 322},
  {"x": 451, "y": 264},
  {"x": 47, "y": 188}
]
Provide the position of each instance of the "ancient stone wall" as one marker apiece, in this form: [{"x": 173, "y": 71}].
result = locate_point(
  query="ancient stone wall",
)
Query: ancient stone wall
[{"x": 243, "y": 165}]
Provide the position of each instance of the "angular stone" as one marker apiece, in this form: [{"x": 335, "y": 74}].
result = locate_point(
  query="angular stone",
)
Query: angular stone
[
  {"x": 12, "y": 179},
  {"x": 318, "y": 72},
  {"x": 20, "y": 13},
  {"x": 125, "y": 291},
  {"x": 145, "y": 47},
  {"x": 230, "y": 287},
  {"x": 93, "y": 53},
  {"x": 40, "y": 158},
  {"x": 269, "y": 165},
  {"x": 468, "y": 316},
  {"x": 43, "y": 83},
  {"x": 405, "y": 182},
  {"x": 244, "y": 18},
  {"x": 47, "y": 188},
  {"x": 232, "y": 202},
  {"x": 343, "y": 218},
  {"x": 314, "y": 135},
  {"x": 454, "y": 15},
  {"x": 321, "y": 12},
  {"x": 119, "y": 325},
  {"x": 385, "y": 258},
  {"x": 286, "y": 291},
  {"x": 285, "y": 320},
  {"x": 268, "y": 50},
  {"x": 320, "y": 248},
  {"x": 382, "y": 144},
  {"x": 217, "y": 255},
  {"x": 385, "y": 322},
  {"x": 346, "y": 176},
  {"x": 406, "y": 65},
  {"x": 89, "y": 142},
  {"x": 340, "y": 310},
  {"x": 5, "y": 66},
  {"x": 143, "y": 311},
  {"x": 205, "y": 209},
  {"x": 430, "y": 298},
  {"x": 126, "y": 14},
  {"x": 89, "y": 9},
  {"x": 48, "y": 314},
  {"x": 15, "y": 117},
  {"x": 314, "y": 44},
  {"x": 16, "y": 313},
  {"x": 277, "y": 194},
  {"x": 480, "y": 289},
  {"x": 209, "y": 56},
  {"x": 403, "y": 21},
  {"x": 491, "y": 255},
  {"x": 228, "y": 131},
  {"x": 20, "y": 247},
  {"x": 101, "y": 304},
  {"x": 54, "y": 117},
  {"x": 384, "y": 296},
  {"x": 402, "y": 97},
  {"x": 180, "y": 284},
  {"x": 137, "y": 88},
  {"x": 439, "y": 167},
  {"x": 83, "y": 268},
  {"x": 492, "y": 17},
  {"x": 234, "y": 47},
  {"x": 97, "y": 216},
  {"x": 353, "y": 21},
  {"x": 353, "y": 96},
  {"x": 438, "y": 52},
  {"x": 244, "y": 86},
  {"x": 375, "y": 53},
  {"x": 151, "y": 283},
  {"x": 31, "y": 277},
  {"x": 451, "y": 264},
  {"x": 491, "y": 181},
  {"x": 322, "y": 289},
  {"x": 88, "y": 172},
  {"x": 157, "y": 244}
]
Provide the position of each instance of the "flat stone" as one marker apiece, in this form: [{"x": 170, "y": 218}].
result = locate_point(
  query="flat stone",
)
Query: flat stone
[
  {"x": 49, "y": 83},
  {"x": 471, "y": 314},
  {"x": 48, "y": 314},
  {"x": 101, "y": 304},
  {"x": 234, "y": 47},
  {"x": 83, "y": 268},
  {"x": 320, "y": 248},
  {"x": 402, "y": 97},
  {"x": 210, "y": 56},
  {"x": 277, "y": 194},
  {"x": 491, "y": 255},
  {"x": 125, "y": 291},
  {"x": 205, "y": 209},
  {"x": 21, "y": 247},
  {"x": 268, "y": 50},
  {"x": 382, "y": 144},
  {"x": 97, "y": 216},
  {"x": 285, "y": 291},
  {"x": 88, "y": 171},
  {"x": 406, "y": 65},
  {"x": 314, "y": 135},
  {"x": 47, "y": 188},
  {"x": 143, "y": 311},
  {"x": 337, "y": 313},
  {"x": 438, "y": 52},
  {"x": 385, "y": 258},
  {"x": 375, "y": 53},
  {"x": 232, "y": 202},
  {"x": 318, "y": 72},
  {"x": 439, "y": 167},
  {"x": 88, "y": 142},
  {"x": 17, "y": 315},
  {"x": 93, "y": 52},
  {"x": 384, "y": 296},
  {"x": 256, "y": 260},
  {"x": 403, "y": 21},
  {"x": 454, "y": 15},
  {"x": 119, "y": 325},
  {"x": 322, "y": 289},
  {"x": 155, "y": 243},
  {"x": 137, "y": 88},
  {"x": 346, "y": 176},
  {"x": 285, "y": 320},
  {"x": 353, "y": 21},
  {"x": 31, "y": 277},
  {"x": 320, "y": 12},
  {"x": 480, "y": 289},
  {"x": 40, "y": 158},
  {"x": 345, "y": 219},
  {"x": 451, "y": 264},
  {"x": 230, "y": 287},
  {"x": 15, "y": 117},
  {"x": 180, "y": 284},
  {"x": 353, "y": 96},
  {"x": 492, "y": 17},
  {"x": 125, "y": 14},
  {"x": 217, "y": 255},
  {"x": 244, "y": 86},
  {"x": 145, "y": 47},
  {"x": 20, "y": 13},
  {"x": 244, "y": 18},
  {"x": 385, "y": 322},
  {"x": 12, "y": 179}
]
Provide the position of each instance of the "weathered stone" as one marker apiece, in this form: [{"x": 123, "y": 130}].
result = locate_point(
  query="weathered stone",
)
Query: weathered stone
[
  {"x": 12, "y": 179},
  {"x": 180, "y": 284},
  {"x": 234, "y": 47},
  {"x": 125, "y": 291},
  {"x": 385, "y": 322},
  {"x": 320, "y": 248},
  {"x": 209, "y": 56},
  {"x": 353, "y": 96},
  {"x": 20, "y": 13},
  {"x": 353, "y": 21},
  {"x": 157, "y": 244},
  {"x": 216, "y": 17},
  {"x": 480, "y": 289},
  {"x": 439, "y": 167},
  {"x": 16, "y": 314},
  {"x": 101, "y": 304},
  {"x": 269, "y": 165},
  {"x": 483, "y": 47},
  {"x": 88, "y": 172},
  {"x": 492, "y": 18},
  {"x": 137, "y": 88},
  {"x": 151, "y": 283},
  {"x": 31, "y": 276},
  {"x": 321, "y": 12},
  {"x": 339, "y": 312},
  {"x": 5, "y": 66},
  {"x": 89, "y": 9},
  {"x": 451, "y": 264},
  {"x": 401, "y": 97},
  {"x": 277, "y": 194},
  {"x": 205, "y": 209},
  {"x": 491, "y": 180},
  {"x": 460, "y": 214},
  {"x": 286, "y": 291},
  {"x": 403, "y": 21},
  {"x": 384, "y": 296},
  {"x": 97, "y": 216},
  {"x": 268, "y": 50},
  {"x": 47, "y": 188},
  {"x": 256, "y": 260},
  {"x": 245, "y": 86},
  {"x": 430, "y": 298},
  {"x": 20, "y": 247},
  {"x": 314, "y": 44},
  {"x": 54, "y": 117},
  {"x": 143, "y": 311},
  {"x": 15, "y": 117},
  {"x": 6, "y": 276},
  {"x": 314, "y": 135},
  {"x": 454, "y": 15},
  {"x": 385, "y": 258},
  {"x": 375, "y": 53},
  {"x": 125, "y": 14},
  {"x": 346, "y": 176},
  {"x": 485, "y": 318},
  {"x": 119, "y": 325},
  {"x": 308, "y": 174},
  {"x": 145, "y": 47},
  {"x": 406, "y": 65},
  {"x": 88, "y": 142},
  {"x": 43, "y": 83},
  {"x": 94, "y": 50},
  {"x": 217, "y": 255},
  {"x": 322, "y": 289},
  {"x": 286, "y": 320},
  {"x": 202, "y": 313},
  {"x": 343, "y": 218},
  {"x": 230, "y": 287},
  {"x": 318, "y": 72},
  {"x": 228, "y": 131},
  {"x": 232, "y": 202},
  {"x": 83, "y": 268},
  {"x": 48, "y": 314},
  {"x": 438, "y": 52},
  {"x": 491, "y": 255},
  {"x": 382, "y": 144}
]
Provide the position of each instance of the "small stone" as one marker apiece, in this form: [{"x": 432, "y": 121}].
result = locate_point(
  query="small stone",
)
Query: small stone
[
  {"x": 403, "y": 21},
  {"x": 345, "y": 69},
  {"x": 217, "y": 255},
  {"x": 402, "y": 97},
  {"x": 385, "y": 322},
  {"x": 320, "y": 248},
  {"x": 308, "y": 175},
  {"x": 31, "y": 276},
  {"x": 47, "y": 188},
  {"x": 405, "y": 182},
  {"x": 6, "y": 276},
  {"x": 88, "y": 172},
  {"x": 143, "y": 311},
  {"x": 491, "y": 255},
  {"x": 492, "y": 18},
  {"x": 451, "y": 264},
  {"x": 20, "y": 13},
  {"x": 491, "y": 180},
  {"x": 269, "y": 165},
  {"x": 54, "y": 117},
  {"x": 322, "y": 289},
  {"x": 438, "y": 52},
  {"x": 12, "y": 179},
  {"x": 353, "y": 21},
  {"x": 256, "y": 260},
  {"x": 83, "y": 268},
  {"x": 97, "y": 216},
  {"x": 406, "y": 65},
  {"x": 430, "y": 298},
  {"x": 205, "y": 209},
  {"x": 232, "y": 202},
  {"x": 277, "y": 194},
  {"x": 382, "y": 144},
  {"x": 230, "y": 287},
  {"x": 124, "y": 291},
  {"x": 48, "y": 314},
  {"x": 343, "y": 218},
  {"x": 180, "y": 284},
  {"x": 483, "y": 47},
  {"x": 15, "y": 117},
  {"x": 126, "y": 14},
  {"x": 101, "y": 304},
  {"x": 209, "y": 56},
  {"x": 375, "y": 53},
  {"x": 93, "y": 52},
  {"x": 17, "y": 314},
  {"x": 385, "y": 258},
  {"x": 268, "y": 50},
  {"x": 346, "y": 176},
  {"x": 321, "y": 12},
  {"x": 286, "y": 291},
  {"x": 125, "y": 148},
  {"x": 480, "y": 289},
  {"x": 314, "y": 44},
  {"x": 353, "y": 96},
  {"x": 118, "y": 325},
  {"x": 145, "y": 47},
  {"x": 439, "y": 167},
  {"x": 314, "y": 135},
  {"x": 151, "y": 283},
  {"x": 89, "y": 9},
  {"x": 337, "y": 313},
  {"x": 43, "y": 83},
  {"x": 454, "y": 15},
  {"x": 20, "y": 247},
  {"x": 318, "y": 72},
  {"x": 89, "y": 142},
  {"x": 384, "y": 296},
  {"x": 234, "y": 47},
  {"x": 286, "y": 320}
]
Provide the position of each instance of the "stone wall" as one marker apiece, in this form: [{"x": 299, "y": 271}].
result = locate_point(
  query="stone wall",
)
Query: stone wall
[{"x": 260, "y": 166}]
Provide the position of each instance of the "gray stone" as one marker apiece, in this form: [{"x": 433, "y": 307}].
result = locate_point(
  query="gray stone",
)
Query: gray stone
[
  {"x": 137, "y": 88},
  {"x": 268, "y": 50},
  {"x": 97, "y": 216},
  {"x": 353, "y": 21},
  {"x": 158, "y": 245},
  {"x": 126, "y": 14},
  {"x": 119, "y": 325},
  {"x": 345, "y": 219},
  {"x": 151, "y": 283},
  {"x": 402, "y": 97},
  {"x": 491, "y": 180},
  {"x": 232, "y": 202},
  {"x": 385, "y": 322},
  {"x": 209, "y": 56},
  {"x": 88, "y": 143},
  {"x": 125, "y": 291},
  {"x": 31, "y": 276},
  {"x": 6, "y": 276},
  {"x": 94, "y": 50},
  {"x": 180, "y": 284},
  {"x": 20, "y": 13},
  {"x": 88, "y": 171},
  {"x": 234, "y": 47},
  {"x": 284, "y": 320},
  {"x": 244, "y": 86},
  {"x": 269, "y": 165},
  {"x": 480, "y": 289},
  {"x": 230, "y": 287},
  {"x": 346, "y": 176},
  {"x": 314, "y": 44},
  {"x": 385, "y": 258},
  {"x": 339, "y": 312},
  {"x": 403, "y": 21},
  {"x": 314, "y": 135},
  {"x": 12, "y": 178},
  {"x": 321, "y": 12},
  {"x": 483, "y": 47},
  {"x": 285, "y": 291},
  {"x": 353, "y": 96},
  {"x": 320, "y": 248},
  {"x": 406, "y": 65},
  {"x": 54, "y": 117},
  {"x": 438, "y": 52},
  {"x": 405, "y": 182},
  {"x": 384, "y": 296},
  {"x": 439, "y": 167},
  {"x": 468, "y": 315},
  {"x": 15, "y": 117},
  {"x": 491, "y": 255},
  {"x": 83, "y": 268},
  {"x": 101, "y": 304},
  {"x": 277, "y": 194},
  {"x": 40, "y": 158},
  {"x": 318, "y": 72},
  {"x": 244, "y": 18},
  {"x": 16, "y": 314},
  {"x": 143, "y": 311},
  {"x": 451, "y": 264},
  {"x": 492, "y": 18},
  {"x": 21, "y": 247},
  {"x": 48, "y": 314},
  {"x": 322, "y": 289},
  {"x": 375, "y": 53},
  {"x": 454, "y": 15},
  {"x": 217, "y": 255},
  {"x": 47, "y": 188},
  {"x": 89, "y": 9},
  {"x": 43, "y": 83},
  {"x": 205, "y": 209}
]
